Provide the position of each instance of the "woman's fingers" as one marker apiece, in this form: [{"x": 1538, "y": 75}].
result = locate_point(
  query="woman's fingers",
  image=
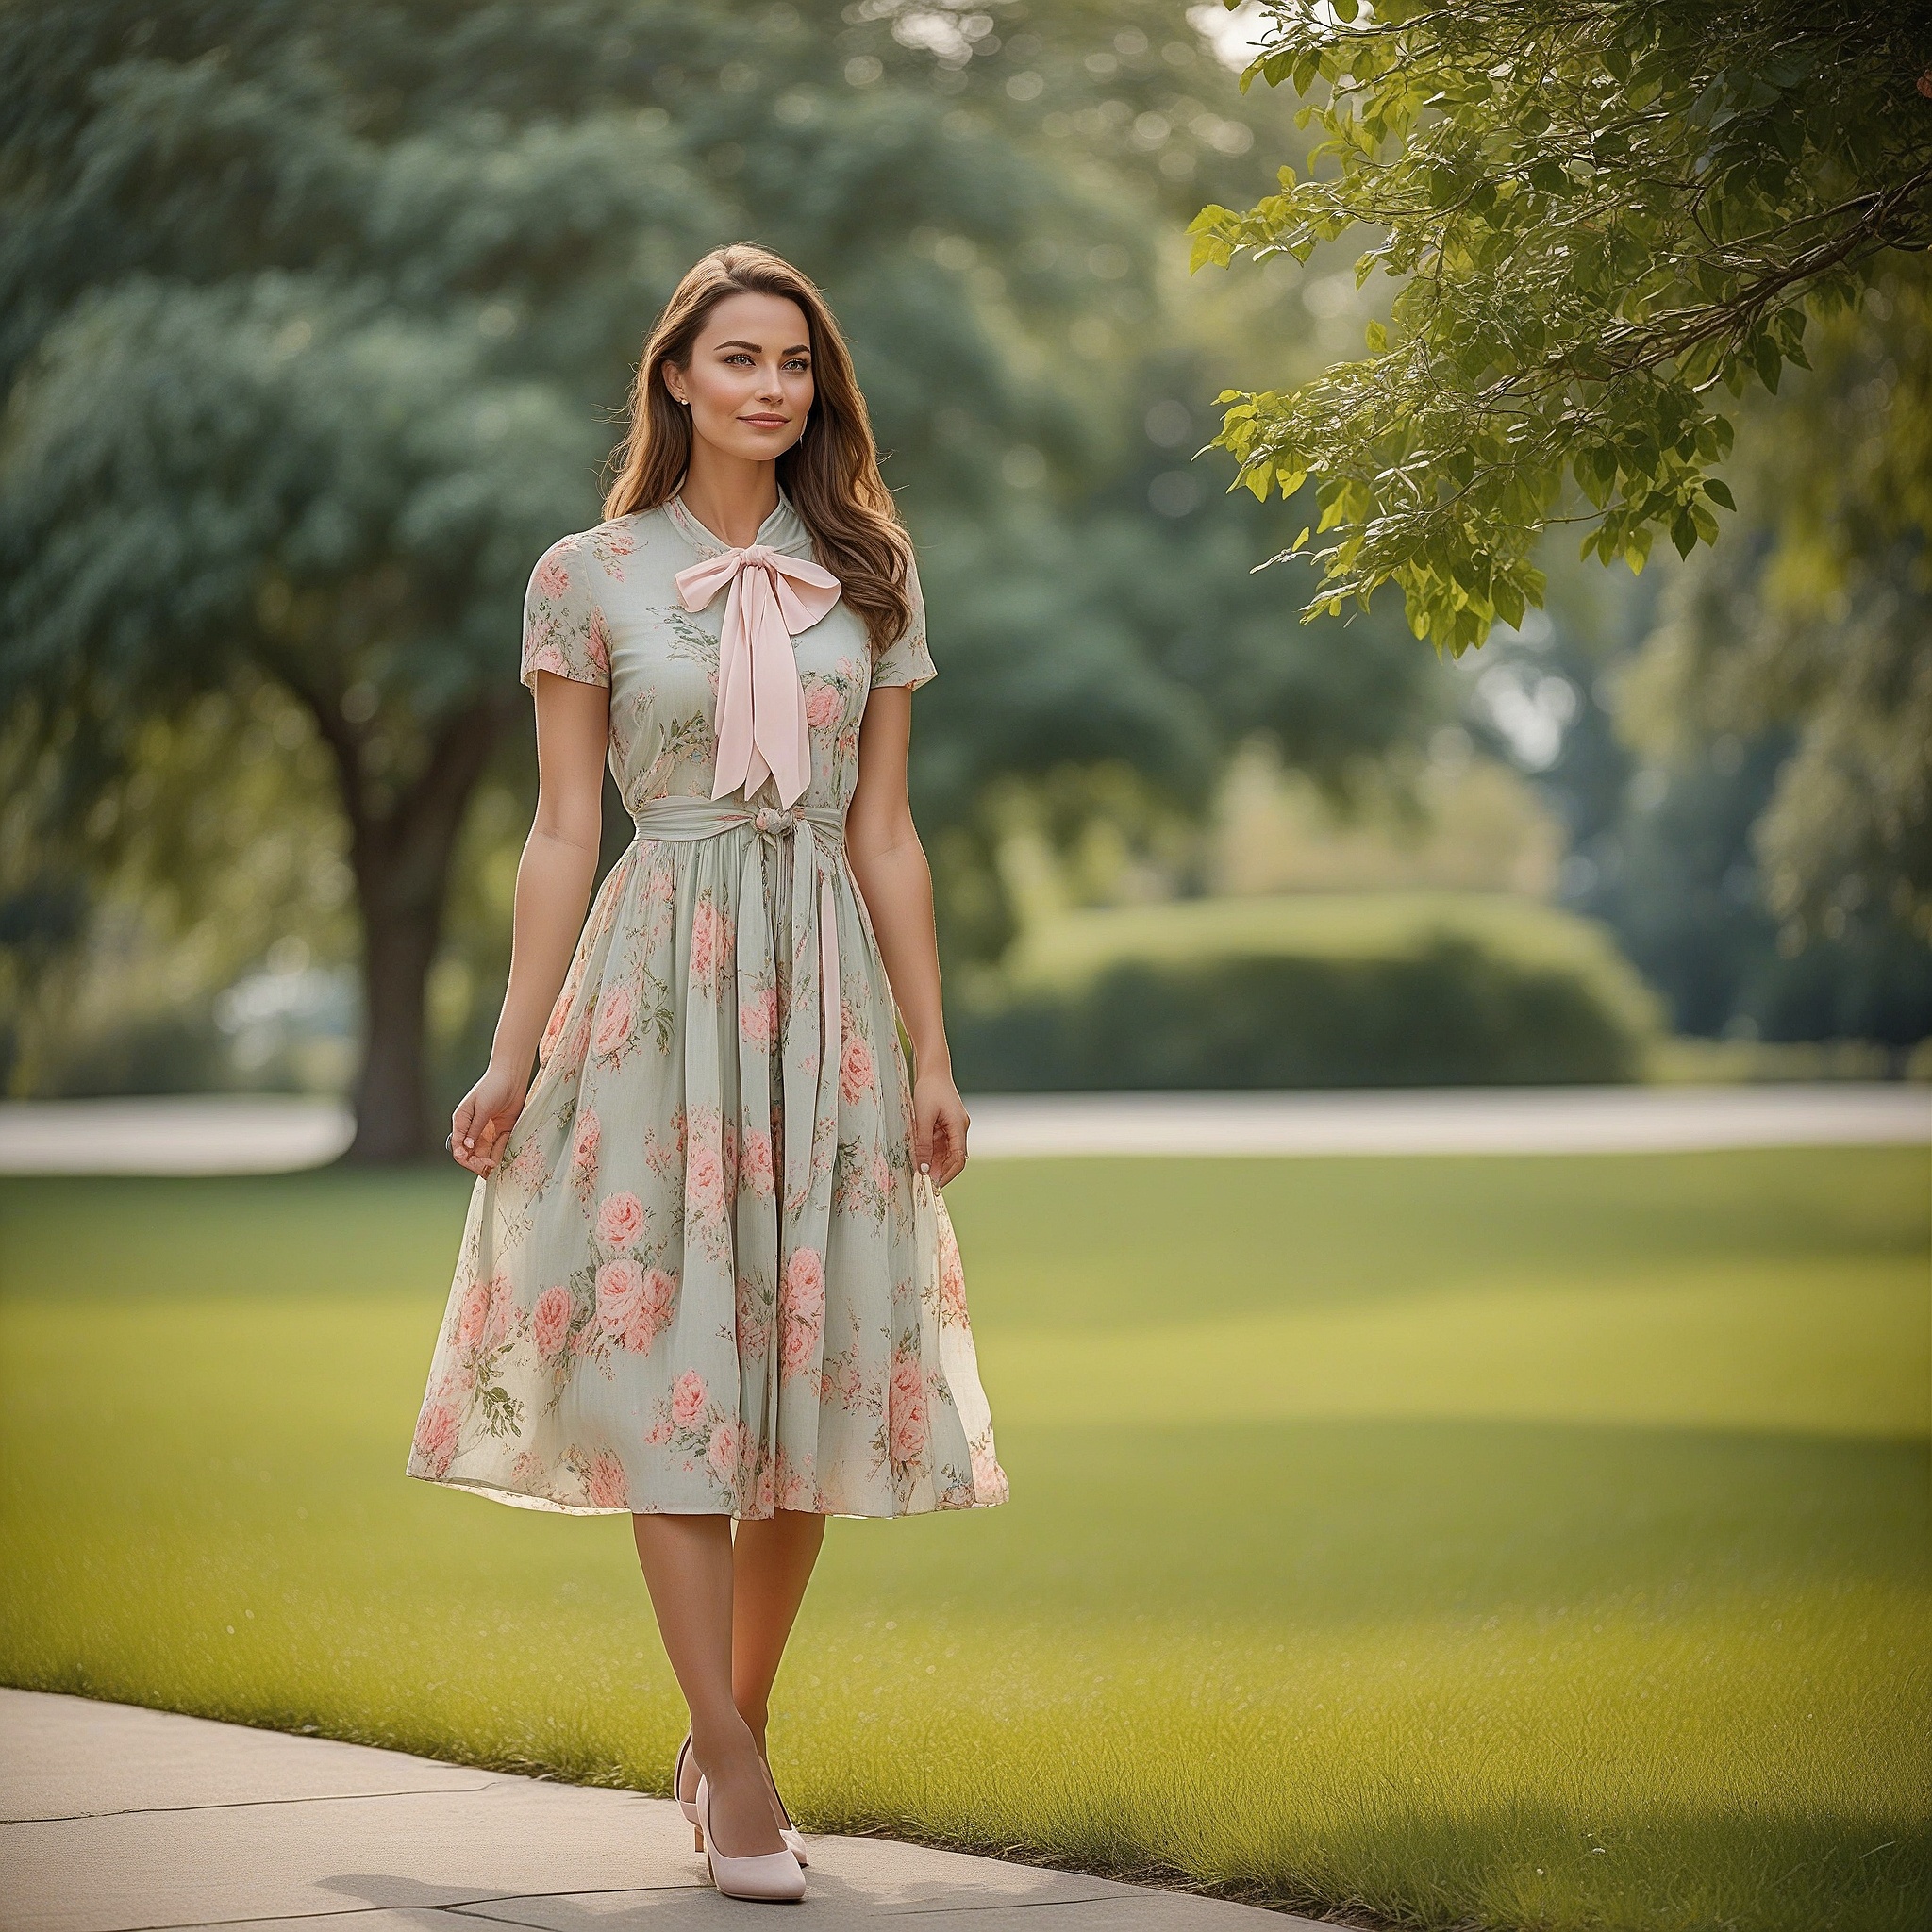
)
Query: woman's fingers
[{"x": 949, "y": 1144}]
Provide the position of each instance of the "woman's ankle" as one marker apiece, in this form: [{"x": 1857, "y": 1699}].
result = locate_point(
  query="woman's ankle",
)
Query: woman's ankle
[{"x": 727, "y": 1744}]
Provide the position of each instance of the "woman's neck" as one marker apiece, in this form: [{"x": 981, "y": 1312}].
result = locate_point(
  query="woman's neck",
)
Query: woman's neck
[{"x": 730, "y": 495}]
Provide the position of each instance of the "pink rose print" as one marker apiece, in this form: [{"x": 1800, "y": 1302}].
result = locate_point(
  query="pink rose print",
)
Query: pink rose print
[
  {"x": 660, "y": 1432},
  {"x": 553, "y": 579},
  {"x": 755, "y": 1166},
  {"x": 688, "y": 1397},
  {"x": 906, "y": 1410},
  {"x": 606, "y": 1485},
  {"x": 757, "y": 1019},
  {"x": 615, "y": 1015},
  {"x": 435, "y": 1437},
  {"x": 798, "y": 1342},
  {"x": 824, "y": 704},
  {"x": 804, "y": 1284},
  {"x": 855, "y": 1069},
  {"x": 951, "y": 1278},
  {"x": 762, "y": 1498},
  {"x": 710, "y": 944},
  {"x": 526, "y": 1166},
  {"x": 620, "y": 1220},
  {"x": 989, "y": 1478},
  {"x": 727, "y": 1445},
  {"x": 621, "y": 1309},
  {"x": 503, "y": 1311},
  {"x": 881, "y": 1177},
  {"x": 660, "y": 1290},
  {"x": 583, "y": 1146},
  {"x": 802, "y": 1311},
  {"x": 475, "y": 1316},
  {"x": 550, "y": 1322},
  {"x": 797, "y": 1490},
  {"x": 599, "y": 642},
  {"x": 559, "y": 1014},
  {"x": 703, "y": 1181}
]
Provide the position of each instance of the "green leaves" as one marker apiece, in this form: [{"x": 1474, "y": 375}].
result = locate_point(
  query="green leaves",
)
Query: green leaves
[{"x": 1598, "y": 213}]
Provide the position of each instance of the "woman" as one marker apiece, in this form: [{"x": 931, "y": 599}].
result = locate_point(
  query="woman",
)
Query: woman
[{"x": 708, "y": 1273}]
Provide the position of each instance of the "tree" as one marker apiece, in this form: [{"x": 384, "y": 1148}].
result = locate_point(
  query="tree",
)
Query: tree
[
  {"x": 310, "y": 314},
  {"x": 390, "y": 493},
  {"x": 1816, "y": 627},
  {"x": 1602, "y": 216}
]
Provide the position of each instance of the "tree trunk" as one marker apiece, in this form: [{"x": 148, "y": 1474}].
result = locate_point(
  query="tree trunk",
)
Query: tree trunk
[
  {"x": 402, "y": 864},
  {"x": 400, "y": 934},
  {"x": 400, "y": 850}
]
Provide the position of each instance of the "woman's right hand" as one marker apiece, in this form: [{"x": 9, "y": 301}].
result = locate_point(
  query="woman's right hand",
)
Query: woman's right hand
[{"x": 482, "y": 1121}]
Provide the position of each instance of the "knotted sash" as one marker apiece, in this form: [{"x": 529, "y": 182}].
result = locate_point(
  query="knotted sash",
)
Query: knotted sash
[
  {"x": 816, "y": 833},
  {"x": 761, "y": 727}
]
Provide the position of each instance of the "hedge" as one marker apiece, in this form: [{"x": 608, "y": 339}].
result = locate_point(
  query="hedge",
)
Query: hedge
[{"x": 1448, "y": 1010}]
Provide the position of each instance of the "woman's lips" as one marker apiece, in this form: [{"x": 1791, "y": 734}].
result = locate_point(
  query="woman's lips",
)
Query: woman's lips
[{"x": 766, "y": 421}]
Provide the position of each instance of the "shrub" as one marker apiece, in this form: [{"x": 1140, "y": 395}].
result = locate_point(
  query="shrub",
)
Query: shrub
[{"x": 1447, "y": 1011}]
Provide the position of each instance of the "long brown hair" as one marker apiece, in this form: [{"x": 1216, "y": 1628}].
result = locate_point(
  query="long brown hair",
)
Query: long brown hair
[{"x": 831, "y": 473}]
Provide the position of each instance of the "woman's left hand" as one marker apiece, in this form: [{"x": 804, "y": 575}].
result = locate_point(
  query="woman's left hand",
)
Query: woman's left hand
[{"x": 938, "y": 1127}]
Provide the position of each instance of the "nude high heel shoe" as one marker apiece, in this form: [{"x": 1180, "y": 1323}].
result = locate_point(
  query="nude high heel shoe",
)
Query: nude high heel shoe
[
  {"x": 762, "y": 1875},
  {"x": 794, "y": 1840},
  {"x": 684, "y": 1804}
]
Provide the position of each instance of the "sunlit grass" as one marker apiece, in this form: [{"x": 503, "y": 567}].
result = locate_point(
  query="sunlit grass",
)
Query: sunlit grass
[{"x": 1542, "y": 1543}]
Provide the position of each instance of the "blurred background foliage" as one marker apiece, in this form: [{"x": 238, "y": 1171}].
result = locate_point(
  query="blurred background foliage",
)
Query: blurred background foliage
[{"x": 313, "y": 324}]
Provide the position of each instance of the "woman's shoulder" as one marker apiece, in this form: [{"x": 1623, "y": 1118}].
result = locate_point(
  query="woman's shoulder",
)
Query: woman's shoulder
[{"x": 608, "y": 551}]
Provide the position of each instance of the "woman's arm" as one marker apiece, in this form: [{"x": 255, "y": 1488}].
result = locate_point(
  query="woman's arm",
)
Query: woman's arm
[
  {"x": 554, "y": 880},
  {"x": 890, "y": 864}
]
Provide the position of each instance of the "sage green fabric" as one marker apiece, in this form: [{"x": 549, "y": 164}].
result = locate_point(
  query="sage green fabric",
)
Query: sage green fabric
[{"x": 705, "y": 1276}]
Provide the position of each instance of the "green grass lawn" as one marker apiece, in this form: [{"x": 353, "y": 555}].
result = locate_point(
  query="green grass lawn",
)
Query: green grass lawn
[{"x": 1538, "y": 1544}]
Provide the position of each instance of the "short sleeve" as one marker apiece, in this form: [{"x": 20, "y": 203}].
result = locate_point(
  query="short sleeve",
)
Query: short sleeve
[
  {"x": 905, "y": 660},
  {"x": 563, "y": 624}
]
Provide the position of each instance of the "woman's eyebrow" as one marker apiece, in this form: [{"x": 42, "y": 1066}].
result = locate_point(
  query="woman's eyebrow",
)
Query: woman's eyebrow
[{"x": 796, "y": 349}]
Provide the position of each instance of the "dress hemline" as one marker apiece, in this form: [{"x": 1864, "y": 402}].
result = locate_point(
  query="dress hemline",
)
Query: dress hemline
[{"x": 550, "y": 1506}]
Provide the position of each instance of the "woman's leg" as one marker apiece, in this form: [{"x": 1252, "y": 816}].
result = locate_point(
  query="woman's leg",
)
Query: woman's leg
[
  {"x": 772, "y": 1563},
  {"x": 688, "y": 1568}
]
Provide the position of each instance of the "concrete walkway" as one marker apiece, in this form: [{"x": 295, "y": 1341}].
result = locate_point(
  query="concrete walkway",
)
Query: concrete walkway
[
  {"x": 226, "y": 1134},
  {"x": 1453, "y": 1120},
  {"x": 119, "y": 1820}
]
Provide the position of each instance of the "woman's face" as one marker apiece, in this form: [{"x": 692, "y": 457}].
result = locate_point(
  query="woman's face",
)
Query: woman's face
[{"x": 749, "y": 379}]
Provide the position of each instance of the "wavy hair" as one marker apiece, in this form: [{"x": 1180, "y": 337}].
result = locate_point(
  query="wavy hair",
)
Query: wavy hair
[{"x": 831, "y": 473}]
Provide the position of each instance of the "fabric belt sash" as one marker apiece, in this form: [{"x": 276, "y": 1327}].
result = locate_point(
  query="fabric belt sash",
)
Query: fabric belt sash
[{"x": 817, "y": 838}]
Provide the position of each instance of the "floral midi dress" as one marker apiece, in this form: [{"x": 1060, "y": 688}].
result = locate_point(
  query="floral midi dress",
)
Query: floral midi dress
[{"x": 704, "y": 1276}]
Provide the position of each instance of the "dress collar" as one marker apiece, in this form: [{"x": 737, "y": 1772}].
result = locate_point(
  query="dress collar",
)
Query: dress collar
[{"x": 782, "y": 530}]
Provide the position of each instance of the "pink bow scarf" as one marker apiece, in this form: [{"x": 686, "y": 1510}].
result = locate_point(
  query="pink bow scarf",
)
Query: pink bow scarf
[{"x": 761, "y": 727}]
